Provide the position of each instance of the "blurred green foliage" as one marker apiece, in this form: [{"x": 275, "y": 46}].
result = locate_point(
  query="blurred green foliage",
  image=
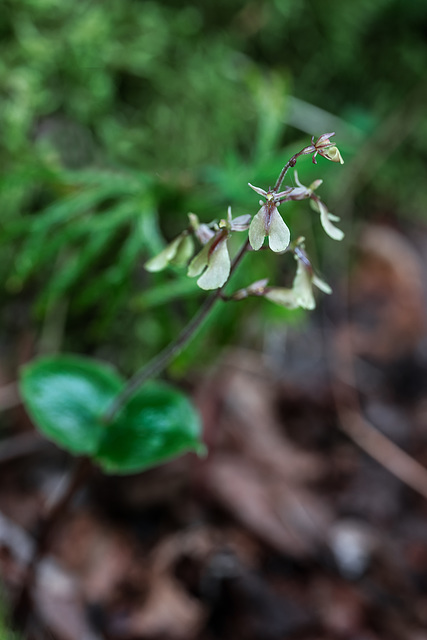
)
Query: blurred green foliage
[
  {"x": 118, "y": 118},
  {"x": 5, "y": 632}
]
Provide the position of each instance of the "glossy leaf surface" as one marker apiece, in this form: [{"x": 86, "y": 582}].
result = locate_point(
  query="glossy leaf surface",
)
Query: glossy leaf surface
[
  {"x": 65, "y": 396},
  {"x": 158, "y": 423}
]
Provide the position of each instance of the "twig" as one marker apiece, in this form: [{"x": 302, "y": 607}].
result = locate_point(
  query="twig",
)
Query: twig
[
  {"x": 384, "y": 451},
  {"x": 365, "y": 434}
]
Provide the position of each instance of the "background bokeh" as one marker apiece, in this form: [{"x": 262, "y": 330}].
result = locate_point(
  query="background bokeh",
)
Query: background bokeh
[{"x": 117, "y": 119}]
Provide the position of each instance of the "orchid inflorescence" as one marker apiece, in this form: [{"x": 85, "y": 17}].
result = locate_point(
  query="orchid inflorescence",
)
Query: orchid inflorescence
[{"x": 213, "y": 264}]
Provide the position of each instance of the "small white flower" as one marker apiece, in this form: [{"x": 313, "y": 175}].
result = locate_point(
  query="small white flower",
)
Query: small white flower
[
  {"x": 301, "y": 294},
  {"x": 333, "y": 154},
  {"x": 268, "y": 222},
  {"x": 201, "y": 230},
  {"x": 301, "y": 192},
  {"x": 177, "y": 253},
  {"x": 324, "y": 147},
  {"x": 213, "y": 261},
  {"x": 326, "y": 219},
  {"x": 241, "y": 223}
]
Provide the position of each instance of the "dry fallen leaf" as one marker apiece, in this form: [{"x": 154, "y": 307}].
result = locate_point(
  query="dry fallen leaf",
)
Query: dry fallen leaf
[
  {"x": 60, "y": 603},
  {"x": 259, "y": 475},
  {"x": 387, "y": 296}
]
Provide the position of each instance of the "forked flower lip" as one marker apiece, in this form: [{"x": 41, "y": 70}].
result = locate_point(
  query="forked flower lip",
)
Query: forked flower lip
[
  {"x": 268, "y": 222},
  {"x": 301, "y": 293},
  {"x": 213, "y": 262}
]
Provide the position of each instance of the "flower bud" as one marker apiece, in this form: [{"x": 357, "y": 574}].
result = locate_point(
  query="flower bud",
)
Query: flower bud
[{"x": 333, "y": 154}]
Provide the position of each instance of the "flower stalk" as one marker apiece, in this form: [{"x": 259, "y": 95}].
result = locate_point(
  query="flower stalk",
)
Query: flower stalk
[
  {"x": 162, "y": 359},
  {"x": 214, "y": 267}
]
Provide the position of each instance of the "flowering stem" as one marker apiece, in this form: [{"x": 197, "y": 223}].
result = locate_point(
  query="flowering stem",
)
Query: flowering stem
[
  {"x": 162, "y": 359},
  {"x": 291, "y": 163}
]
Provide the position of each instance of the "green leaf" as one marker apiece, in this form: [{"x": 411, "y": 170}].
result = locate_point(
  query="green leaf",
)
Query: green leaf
[
  {"x": 71, "y": 206},
  {"x": 65, "y": 396},
  {"x": 158, "y": 423},
  {"x": 164, "y": 293}
]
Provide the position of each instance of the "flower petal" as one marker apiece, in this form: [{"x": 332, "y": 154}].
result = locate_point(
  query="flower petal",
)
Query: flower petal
[
  {"x": 199, "y": 261},
  {"x": 218, "y": 268},
  {"x": 257, "y": 230},
  {"x": 333, "y": 218},
  {"x": 302, "y": 288},
  {"x": 283, "y": 194},
  {"x": 201, "y": 230},
  {"x": 184, "y": 251},
  {"x": 301, "y": 294},
  {"x": 241, "y": 223},
  {"x": 162, "y": 260},
  {"x": 282, "y": 296},
  {"x": 315, "y": 185},
  {"x": 258, "y": 190},
  {"x": 323, "y": 140},
  {"x": 321, "y": 284},
  {"x": 278, "y": 234},
  {"x": 297, "y": 179},
  {"x": 333, "y": 154},
  {"x": 299, "y": 193},
  {"x": 332, "y": 231},
  {"x": 257, "y": 287}
]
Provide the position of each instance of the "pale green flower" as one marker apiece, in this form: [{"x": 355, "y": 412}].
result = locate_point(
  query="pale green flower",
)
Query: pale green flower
[
  {"x": 241, "y": 223},
  {"x": 268, "y": 222},
  {"x": 326, "y": 219},
  {"x": 213, "y": 261},
  {"x": 301, "y": 293},
  {"x": 324, "y": 147},
  {"x": 302, "y": 192},
  {"x": 255, "y": 289},
  {"x": 177, "y": 253},
  {"x": 333, "y": 154},
  {"x": 201, "y": 230}
]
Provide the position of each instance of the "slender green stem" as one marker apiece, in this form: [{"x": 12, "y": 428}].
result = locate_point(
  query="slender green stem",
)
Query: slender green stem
[
  {"x": 282, "y": 174},
  {"x": 162, "y": 359},
  {"x": 291, "y": 163}
]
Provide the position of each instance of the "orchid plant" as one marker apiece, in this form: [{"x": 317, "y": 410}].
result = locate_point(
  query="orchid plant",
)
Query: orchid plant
[
  {"x": 212, "y": 263},
  {"x": 126, "y": 426}
]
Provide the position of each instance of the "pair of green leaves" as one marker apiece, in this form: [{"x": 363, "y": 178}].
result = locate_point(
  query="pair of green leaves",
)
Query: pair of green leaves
[{"x": 67, "y": 397}]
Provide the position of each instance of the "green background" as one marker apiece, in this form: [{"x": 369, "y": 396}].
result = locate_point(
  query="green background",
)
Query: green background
[{"x": 118, "y": 118}]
